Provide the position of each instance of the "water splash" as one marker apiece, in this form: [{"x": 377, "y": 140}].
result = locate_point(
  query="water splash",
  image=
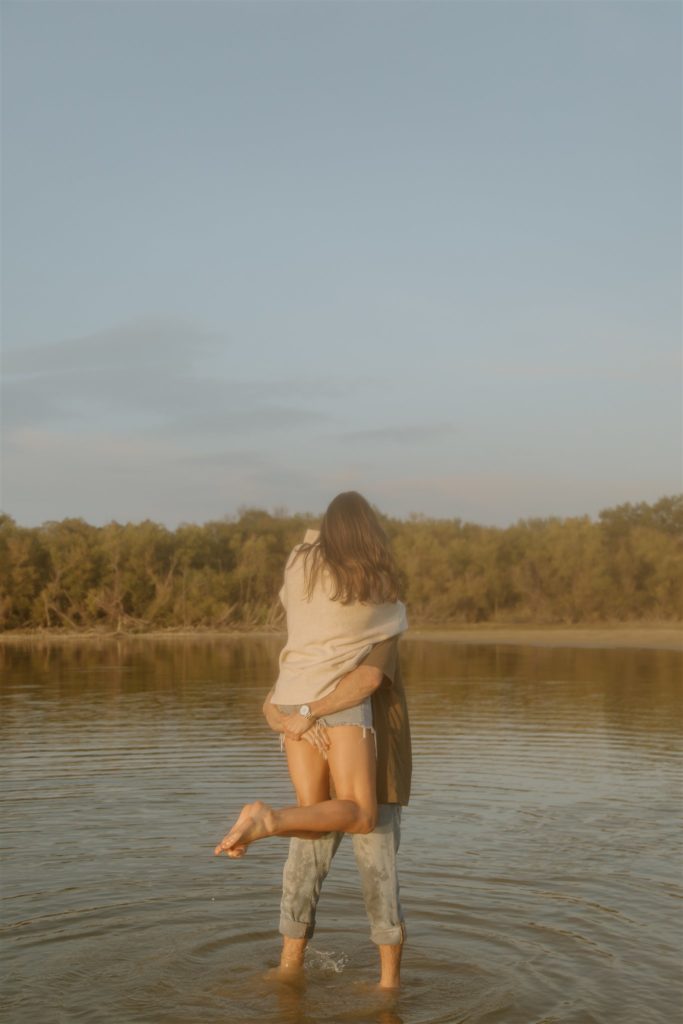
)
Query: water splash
[{"x": 323, "y": 960}]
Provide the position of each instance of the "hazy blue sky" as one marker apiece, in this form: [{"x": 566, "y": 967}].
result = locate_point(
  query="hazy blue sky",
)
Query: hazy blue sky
[{"x": 257, "y": 253}]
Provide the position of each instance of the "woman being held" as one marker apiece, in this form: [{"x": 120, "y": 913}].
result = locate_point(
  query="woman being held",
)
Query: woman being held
[{"x": 341, "y": 597}]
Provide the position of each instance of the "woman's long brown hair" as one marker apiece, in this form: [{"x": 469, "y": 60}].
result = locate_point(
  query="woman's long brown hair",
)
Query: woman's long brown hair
[{"x": 354, "y": 549}]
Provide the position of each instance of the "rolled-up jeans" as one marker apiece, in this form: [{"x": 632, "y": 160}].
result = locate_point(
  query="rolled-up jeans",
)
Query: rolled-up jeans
[{"x": 309, "y": 861}]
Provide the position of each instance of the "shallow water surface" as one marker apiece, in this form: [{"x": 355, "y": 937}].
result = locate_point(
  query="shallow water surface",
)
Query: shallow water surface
[{"x": 540, "y": 860}]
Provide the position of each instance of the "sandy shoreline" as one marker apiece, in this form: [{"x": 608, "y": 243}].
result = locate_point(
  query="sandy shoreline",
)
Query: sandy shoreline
[{"x": 652, "y": 636}]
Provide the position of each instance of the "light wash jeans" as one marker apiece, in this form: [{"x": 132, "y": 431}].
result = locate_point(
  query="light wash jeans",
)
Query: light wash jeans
[{"x": 309, "y": 861}]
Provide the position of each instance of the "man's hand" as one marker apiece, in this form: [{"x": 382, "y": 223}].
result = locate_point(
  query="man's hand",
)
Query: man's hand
[
  {"x": 273, "y": 715},
  {"x": 315, "y": 733},
  {"x": 295, "y": 725},
  {"x": 318, "y": 738}
]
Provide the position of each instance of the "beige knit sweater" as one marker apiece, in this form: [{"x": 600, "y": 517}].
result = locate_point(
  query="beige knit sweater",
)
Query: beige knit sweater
[{"x": 325, "y": 638}]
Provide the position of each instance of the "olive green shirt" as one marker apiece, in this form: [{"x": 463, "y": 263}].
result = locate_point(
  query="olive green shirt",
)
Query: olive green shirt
[{"x": 390, "y": 720}]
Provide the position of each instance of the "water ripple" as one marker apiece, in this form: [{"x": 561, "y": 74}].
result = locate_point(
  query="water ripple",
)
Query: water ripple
[{"x": 538, "y": 855}]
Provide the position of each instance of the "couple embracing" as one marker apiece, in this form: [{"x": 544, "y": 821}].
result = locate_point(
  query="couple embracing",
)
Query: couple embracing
[{"x": 340, "y": 707}]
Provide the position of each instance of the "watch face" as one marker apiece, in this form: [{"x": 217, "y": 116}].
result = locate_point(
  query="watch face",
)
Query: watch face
[{"x": 304, "y": 710}]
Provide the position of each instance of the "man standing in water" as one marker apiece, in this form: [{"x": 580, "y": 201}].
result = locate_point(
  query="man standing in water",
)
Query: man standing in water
[{"x": 309, "y": 860}]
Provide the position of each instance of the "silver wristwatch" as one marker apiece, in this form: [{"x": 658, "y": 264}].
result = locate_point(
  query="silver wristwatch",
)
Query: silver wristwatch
[{"x": 305, "y": 711}]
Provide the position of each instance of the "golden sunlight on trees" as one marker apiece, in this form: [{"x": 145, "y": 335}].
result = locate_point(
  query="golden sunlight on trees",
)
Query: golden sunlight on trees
[{"x": 139, "y": 576}]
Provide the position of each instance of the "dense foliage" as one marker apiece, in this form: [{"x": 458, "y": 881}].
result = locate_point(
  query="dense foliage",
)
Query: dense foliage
[{"x": 628, "y": 565}]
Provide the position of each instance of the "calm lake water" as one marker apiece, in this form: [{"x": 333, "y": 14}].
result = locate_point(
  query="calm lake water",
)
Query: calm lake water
[{"x": 540, "y": 861}]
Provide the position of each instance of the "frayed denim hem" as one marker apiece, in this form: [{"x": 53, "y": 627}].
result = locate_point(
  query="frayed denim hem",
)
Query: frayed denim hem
[{"x": 365, "y": 728}]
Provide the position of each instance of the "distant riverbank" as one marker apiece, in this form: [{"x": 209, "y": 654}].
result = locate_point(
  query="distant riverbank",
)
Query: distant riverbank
[{"x": 655, "y": 636}]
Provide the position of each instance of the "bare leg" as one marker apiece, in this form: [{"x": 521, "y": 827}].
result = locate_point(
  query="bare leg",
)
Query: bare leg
[
  {"x": 292, "y": 956},
  {"x": 311, "y": 778},
  {"x": 259, "y": 821},
  {"x": 291, "y": 966},
  {"x": 292, "y": 961},
  {"x": 351, "y": 761},
  {"x": 390, "y": 965}
]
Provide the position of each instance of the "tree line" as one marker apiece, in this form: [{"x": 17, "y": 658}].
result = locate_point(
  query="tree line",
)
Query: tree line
[{"x": 68, "y": 574}]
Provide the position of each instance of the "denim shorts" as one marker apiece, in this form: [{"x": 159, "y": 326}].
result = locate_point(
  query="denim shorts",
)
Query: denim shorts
[{"x": 359, "y": 714}]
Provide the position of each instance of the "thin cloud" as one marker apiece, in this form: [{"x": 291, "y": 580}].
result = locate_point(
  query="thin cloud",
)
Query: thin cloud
[
  {"x": 148, "y": 340},
  {"x": 153, "y": 377}
]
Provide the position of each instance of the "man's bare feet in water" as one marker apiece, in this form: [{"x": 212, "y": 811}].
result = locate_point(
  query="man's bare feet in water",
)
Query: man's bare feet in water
[
  {"x": 291, "y": 966},
  {"x": 255, "y": 822},
  {"x": 292, "y": 955},
  {"x": 390, "y": 960}
]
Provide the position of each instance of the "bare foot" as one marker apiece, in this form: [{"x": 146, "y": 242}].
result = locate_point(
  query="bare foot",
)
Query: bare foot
[
  {"x": 290, "y": 974},
  {"x": 291, "y": 957},
  {"x": 255, "y": 822},
  {"x": 378, "y": 986},
  {"x": 236, "y": 849}
]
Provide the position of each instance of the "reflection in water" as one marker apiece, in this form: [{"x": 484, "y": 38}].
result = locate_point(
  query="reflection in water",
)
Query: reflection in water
[{"x": 539, "y": 855}]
